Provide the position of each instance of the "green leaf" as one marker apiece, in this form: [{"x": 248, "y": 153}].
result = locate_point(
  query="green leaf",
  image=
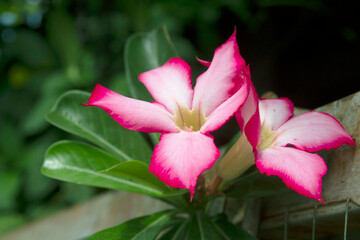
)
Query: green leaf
[
  {"x": 230, "y": 231},
  {"x": 83, "y": 164},
  {"x": 142, "y": 228},
  {"x": 256, "y": 185},
  {"x": 138, "y": 171},
  {"x": 143, "y": 52},
  {"x": 31, "y": 48},
  {"x": 10, "y": 186},
  {"x": 64, "y": 37},
  {"x": 32, "y": 159},
  {"x": 52, "y": 86},
  {"x": 178, "y": 232},
  {"x": 10, "y": 221},
  {"x": 95, "y": 125},
  {"x": 202, "y": 228}
]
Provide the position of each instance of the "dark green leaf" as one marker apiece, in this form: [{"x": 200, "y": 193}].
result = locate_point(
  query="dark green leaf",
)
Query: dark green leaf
[
  {"x": 53, "y": 85},
  {"x": 139, "y": 172},
  {"x": 143, "y": 52},
  {"x": 202, "y": 228},
  {"x": 32, "y": 49},
  {"x": 230, "y": 231},
  {"x": 9, "y": 185},
  {"x": 95, "y": 125},
  {"x": 256, "y": 185},
  {"x": 142, "y": 228},
  {"x": 177, "y": 232},
  {"x": 64, "y": 37},
  {"x": 36, "y": 186},
  {"x": 81, "y": 163}
]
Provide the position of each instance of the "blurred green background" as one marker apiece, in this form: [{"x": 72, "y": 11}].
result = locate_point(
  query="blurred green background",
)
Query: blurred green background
[{"x": 305, "y": 50}]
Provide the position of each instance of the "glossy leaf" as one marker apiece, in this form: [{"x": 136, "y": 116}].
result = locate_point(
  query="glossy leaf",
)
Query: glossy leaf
[
  {"x": 230, "y": 231},
  {"x": 143, "y": 52},
  {"x": 83, "y": 164},
  {"x": 95, "y": 125},
  {"x": 256, "y": 185},
  {"x": 142, "y": 228}
]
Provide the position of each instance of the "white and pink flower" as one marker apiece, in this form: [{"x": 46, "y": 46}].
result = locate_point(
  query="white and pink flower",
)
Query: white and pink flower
[
  {"x": 281, "y": 145},
  {"x": 184, "y": 116}
]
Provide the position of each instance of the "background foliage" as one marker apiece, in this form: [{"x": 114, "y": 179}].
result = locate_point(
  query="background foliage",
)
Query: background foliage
[{"x": 48, "y": 47}]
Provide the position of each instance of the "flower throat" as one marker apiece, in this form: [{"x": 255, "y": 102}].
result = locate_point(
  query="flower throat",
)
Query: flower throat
[{"x": 189, "y": 120}]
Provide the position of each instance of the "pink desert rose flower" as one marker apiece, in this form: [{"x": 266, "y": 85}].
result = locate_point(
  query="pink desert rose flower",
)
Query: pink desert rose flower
[
  {"x": 282, "y": 144},
  {"x": 184, "y": 116}
]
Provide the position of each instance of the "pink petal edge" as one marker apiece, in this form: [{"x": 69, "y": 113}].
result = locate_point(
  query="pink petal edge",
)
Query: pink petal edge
[
  {"x": 180, "y": 158},
  {"x": 170, "y": 84},
  {"x": 226, "y": 110},
  {"x": 299, "y": 170},
  {"x": 131, "y": 113},
  {"x": 203, "y": 62},
  {"x": 248, "y": 116},
  {"x": 313, "y": 131},
  {"x": 217, "y": 84}
]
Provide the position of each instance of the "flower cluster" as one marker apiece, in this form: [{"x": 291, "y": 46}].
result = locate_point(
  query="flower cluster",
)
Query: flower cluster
[{"x": 185, "y": 116}]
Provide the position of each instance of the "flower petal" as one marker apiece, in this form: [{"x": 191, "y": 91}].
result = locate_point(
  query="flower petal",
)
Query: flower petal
[
  {"x": 313, "y": 131},
  {"x": 170, "y": 84},
  {"x": 248, "y": 116},
  {"x": 218, "y": 83},
  {"x": 131, "y": 113},
  {"x": 180, "y": 158},
  {"x": 226, "y": 110},
  {"x": 299, "y": 170},
  {"x": 203, "y": 62},
  {"x": 275, "y": 112}
]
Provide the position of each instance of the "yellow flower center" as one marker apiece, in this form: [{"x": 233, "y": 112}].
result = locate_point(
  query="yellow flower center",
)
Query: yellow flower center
[
  {"x": 189, "y": 120},
  {"x": 267, "y": 137}
]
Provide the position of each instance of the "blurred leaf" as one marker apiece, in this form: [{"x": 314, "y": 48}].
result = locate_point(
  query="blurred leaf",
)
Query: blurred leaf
[
  {"x": 36, "y": 185},
  {"x": 242, "y": 8},
  {"x": 95, "y": 125},
  {"x": 143, "y": 52},
  {"x": 230, "y": 231},
  {"x": 142, "y": 228},
  {"x": 313, "y": 4},
  {"x": 11, "y": 141},
  {"x": 72, "y": 193},
  {"x": 87, "y": 68},
  {"x": 31, "y": 49},
  {"x": 118, "y": 84},
  {"x": 9, "y": 185},
  {"x": 11, "y": 221},
  {"x": 53, "y": 85},
  {"x": 256, "y": 185},
  {"x": 18, "y": 75},
  {"x": 64, "y": 37},
  {"x": 201, "y": 227},
  {"x": 83, "y": 164}
]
